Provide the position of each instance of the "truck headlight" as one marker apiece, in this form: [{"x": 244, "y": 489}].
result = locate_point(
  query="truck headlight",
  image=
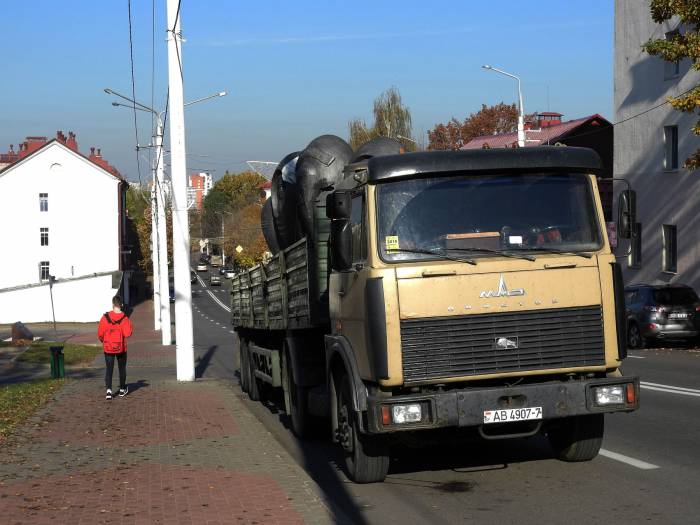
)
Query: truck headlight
[
  {"x": 406, "y": 413},
  {"x": 609, "y": 395}
]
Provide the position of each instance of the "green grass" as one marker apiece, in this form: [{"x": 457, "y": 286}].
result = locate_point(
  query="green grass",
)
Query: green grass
[
  {"x": 73, "y": 354},
  {"x": 19, "y": 401}
]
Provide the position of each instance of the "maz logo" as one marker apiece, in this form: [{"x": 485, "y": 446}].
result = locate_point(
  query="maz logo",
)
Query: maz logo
[{"x": 502, "y": 291}]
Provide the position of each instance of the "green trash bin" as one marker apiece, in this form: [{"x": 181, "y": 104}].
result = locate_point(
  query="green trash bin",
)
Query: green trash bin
[{"x": 57, "y": 368}]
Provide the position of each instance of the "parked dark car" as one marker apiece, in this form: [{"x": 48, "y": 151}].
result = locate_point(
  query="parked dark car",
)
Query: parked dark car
[
  {"x": 193, "y": 277},
  {"x": 214, "y": 280},
  {"x": 661, "y": 312}
]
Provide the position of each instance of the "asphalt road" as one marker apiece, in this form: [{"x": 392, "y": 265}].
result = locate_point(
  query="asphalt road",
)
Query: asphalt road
[{"x": 648, "y": 471}]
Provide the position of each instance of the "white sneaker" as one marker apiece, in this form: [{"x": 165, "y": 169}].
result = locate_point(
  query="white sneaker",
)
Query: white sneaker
[
  {"x": 123, "y": 391},
  {"x": 109, "y": 394}
]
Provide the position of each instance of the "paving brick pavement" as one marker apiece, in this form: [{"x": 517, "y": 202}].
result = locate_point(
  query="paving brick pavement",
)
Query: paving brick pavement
[{"x": 168, "y": 452}]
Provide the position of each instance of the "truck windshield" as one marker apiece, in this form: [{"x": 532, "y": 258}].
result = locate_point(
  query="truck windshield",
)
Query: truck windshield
[{"x": 508, "y": 213}]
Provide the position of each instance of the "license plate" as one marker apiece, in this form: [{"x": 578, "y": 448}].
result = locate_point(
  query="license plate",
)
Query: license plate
[
  {"x": 512, "y": 414},
  {"x": 678, "y": 316}
]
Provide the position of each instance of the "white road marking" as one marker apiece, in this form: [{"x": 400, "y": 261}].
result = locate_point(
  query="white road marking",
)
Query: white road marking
[
  {"x": 638, "y": 463},
  {"x": 636, "y": 356},
  {"x": 217, "y": 301},
  {"x": 670, "y": 389}
]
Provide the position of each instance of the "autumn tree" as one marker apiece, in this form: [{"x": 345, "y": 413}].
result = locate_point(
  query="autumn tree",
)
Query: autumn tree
[
  {"x": 232, "y": 192},
  {"x": 678, "y": 46},
  {"x": 391, "y": 119},
  {"x": 489, "y": 120},
  {"x": 243, "y": 229}
]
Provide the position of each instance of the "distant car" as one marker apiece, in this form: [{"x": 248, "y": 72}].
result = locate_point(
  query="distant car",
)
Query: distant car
[
  {"x": 214, "y": 280},
  {"x": 230, "y": 272},
  {"x": 656, "y": 312},
  {"x": 222, "y": 270},
  {"x": 193, "y": 277},
  {"x": 172, "y": 294},
  {"x": 202, "y": 267}
]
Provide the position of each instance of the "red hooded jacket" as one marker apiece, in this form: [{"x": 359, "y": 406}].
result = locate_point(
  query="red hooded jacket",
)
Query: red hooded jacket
[{"x": 124, "y": 324}]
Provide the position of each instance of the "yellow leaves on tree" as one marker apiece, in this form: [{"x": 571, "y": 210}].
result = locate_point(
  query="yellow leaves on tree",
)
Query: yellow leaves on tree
[{"x": 243, "y": 229}]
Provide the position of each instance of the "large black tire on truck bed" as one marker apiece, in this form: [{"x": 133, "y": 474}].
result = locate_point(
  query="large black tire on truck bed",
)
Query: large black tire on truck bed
[
  {"x": 577, "y": 438},
  {"x": 366, "y": 457}
]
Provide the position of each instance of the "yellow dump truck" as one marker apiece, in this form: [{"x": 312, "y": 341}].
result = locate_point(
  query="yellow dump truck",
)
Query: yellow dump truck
[{"x": 467, "y": 289}]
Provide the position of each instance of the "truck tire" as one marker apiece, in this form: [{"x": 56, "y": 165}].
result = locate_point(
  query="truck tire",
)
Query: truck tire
[
  {"x": 244, "y": 369},
  {"x": 577, "y": 438},
  {"x": 366, "y": 457},
  {"x": 295, "y": 399}
]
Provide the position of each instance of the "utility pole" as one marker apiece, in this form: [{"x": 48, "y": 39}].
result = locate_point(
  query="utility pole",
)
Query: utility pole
[
  {"x": 184, "y": 337},
  {"x": 166, "y": 333},
  {"x": 223, "y": 240},
  {"x": 157, "y": 298}
]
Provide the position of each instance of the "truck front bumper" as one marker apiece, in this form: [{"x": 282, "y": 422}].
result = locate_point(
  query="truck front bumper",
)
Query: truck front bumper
[{"x": 466, "y": 407}]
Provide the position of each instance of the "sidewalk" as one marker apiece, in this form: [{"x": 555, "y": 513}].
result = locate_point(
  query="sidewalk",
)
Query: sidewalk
[{"x": 169, "y": 452}]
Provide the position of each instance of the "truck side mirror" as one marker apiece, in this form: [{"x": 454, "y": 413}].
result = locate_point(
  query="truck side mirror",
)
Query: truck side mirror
[
  {"x": 626, "y": 213},
  {"x": 338, "y": 205}
]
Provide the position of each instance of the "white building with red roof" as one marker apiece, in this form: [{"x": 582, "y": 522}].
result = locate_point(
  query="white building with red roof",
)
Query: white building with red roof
[{"x": 63, "y": 216}]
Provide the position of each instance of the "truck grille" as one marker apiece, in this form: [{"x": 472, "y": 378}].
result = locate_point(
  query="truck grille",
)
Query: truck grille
[{"x": 456, "y": 346}]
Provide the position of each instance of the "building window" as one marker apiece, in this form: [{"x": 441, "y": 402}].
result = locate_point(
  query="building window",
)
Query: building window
[
  {"x": 635, "y": 256},
  {"x": 44, "y": 233},
  {"x": 669, "y": 259},
  {"x": 43, "y": 202},
  {"x": 671, "y": 147},
  {"x": 672, "y": 69},
  {"x": 44, "y": 270}
]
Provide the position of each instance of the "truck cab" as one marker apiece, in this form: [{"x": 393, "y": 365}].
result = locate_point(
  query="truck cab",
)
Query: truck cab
[{"x": 474, "y": 289}]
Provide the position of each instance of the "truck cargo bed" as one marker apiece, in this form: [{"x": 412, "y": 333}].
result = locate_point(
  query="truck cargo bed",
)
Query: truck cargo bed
[{"x": 290, "y": 291}]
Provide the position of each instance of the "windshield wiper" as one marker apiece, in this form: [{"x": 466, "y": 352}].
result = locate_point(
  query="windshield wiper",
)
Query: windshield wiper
[
  {"x": 438, "y": 253},
  {"x": 495, "y": 252},
  {"x": 554, "y": 250}
]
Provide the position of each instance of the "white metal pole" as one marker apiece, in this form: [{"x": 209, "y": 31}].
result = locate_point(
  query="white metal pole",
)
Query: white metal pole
[
  {"x": 223, "y": 240},
  {"x": 166, "y": 333},
  {"x": 154, "y": 256},
  {"x": 184, "y": 337},
  {"x": 521, "y": 118}
]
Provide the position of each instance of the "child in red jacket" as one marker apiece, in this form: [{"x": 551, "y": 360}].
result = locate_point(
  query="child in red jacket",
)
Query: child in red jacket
[{"x": 112, "y": 331}]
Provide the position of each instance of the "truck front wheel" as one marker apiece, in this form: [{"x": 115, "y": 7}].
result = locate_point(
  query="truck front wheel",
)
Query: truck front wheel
[
  {"x": 366, "y": 457},
  {"x": 577, "y": 438}
]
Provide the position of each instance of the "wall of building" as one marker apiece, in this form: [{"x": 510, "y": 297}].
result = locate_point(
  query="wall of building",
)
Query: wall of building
[
  {"x": 83, "y": 222},
  {"x": 82, "y": 301},
  {"x": 663, "y": 196}
]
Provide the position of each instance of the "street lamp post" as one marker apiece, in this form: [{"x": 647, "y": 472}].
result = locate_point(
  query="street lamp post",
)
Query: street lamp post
[
  {"x": 521, "y": 113},
  {"x": 161, "y": 304}
]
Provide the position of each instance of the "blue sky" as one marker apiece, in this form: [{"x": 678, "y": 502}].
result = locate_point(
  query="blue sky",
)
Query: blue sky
[{"x": 293, "y": 70}]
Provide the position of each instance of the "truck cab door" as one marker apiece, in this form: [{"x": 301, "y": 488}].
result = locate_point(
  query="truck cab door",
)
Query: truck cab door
[{"x": 347, "y": 289}]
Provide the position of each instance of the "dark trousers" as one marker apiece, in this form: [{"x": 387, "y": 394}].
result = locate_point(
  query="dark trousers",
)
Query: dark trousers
[{"x": 121, "y": 362}]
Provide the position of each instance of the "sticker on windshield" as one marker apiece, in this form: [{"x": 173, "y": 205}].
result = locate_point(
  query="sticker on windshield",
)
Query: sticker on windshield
[
  {"x": 515, "y": 239},
  {"x": 392, "y": 242}
]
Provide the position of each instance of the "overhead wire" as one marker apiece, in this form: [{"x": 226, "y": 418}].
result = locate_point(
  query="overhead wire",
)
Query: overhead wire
[{"x": 133, "y": 91}]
